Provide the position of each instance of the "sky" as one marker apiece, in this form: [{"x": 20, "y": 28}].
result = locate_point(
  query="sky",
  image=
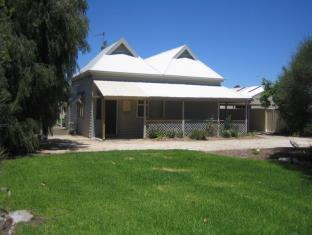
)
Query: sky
[{"x": 243, "y": 40}]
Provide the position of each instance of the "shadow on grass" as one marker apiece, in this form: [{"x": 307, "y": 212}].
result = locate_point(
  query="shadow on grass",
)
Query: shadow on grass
[
  {"x": 61, "y": 144},
  {"x": 296, "y": 159}
]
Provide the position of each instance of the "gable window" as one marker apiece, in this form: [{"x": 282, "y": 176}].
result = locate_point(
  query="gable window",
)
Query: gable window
[
  {"x": 140, "y": 108},
  {"x": 186, "y": 54},
  {"x": 122, "y": 49}
]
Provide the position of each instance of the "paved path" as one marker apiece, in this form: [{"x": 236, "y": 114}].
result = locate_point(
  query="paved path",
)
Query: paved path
[{"x": 66, "y": 143}]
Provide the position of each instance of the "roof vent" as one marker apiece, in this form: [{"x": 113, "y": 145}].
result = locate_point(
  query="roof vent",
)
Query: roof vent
[
  {"x": 122, "y": 49},
  {"x": 186, "y": 54}
]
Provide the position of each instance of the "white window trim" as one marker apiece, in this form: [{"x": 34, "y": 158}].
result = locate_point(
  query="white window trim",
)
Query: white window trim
[{"x": 137, "y": 108}]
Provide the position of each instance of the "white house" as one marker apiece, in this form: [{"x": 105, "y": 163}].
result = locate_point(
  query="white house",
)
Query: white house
[{"x": 118, "y": 94}]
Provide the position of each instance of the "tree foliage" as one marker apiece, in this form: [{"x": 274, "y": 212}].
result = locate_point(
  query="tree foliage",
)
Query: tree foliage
[
  {"x": 292, "y": 92},
  {"x": 39, "y": 45}
]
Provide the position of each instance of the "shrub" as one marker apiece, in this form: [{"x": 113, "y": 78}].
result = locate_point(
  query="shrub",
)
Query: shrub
[
  {"x": 234, "y": 133},
  {"x": 171, "y": 134},
  {"x": 3, "y": 154},
  {"x": 198, "y": 135},
  {"x": 210, "y": 128},
  {"x": 179, "y": 134},
  {"x": 22, "y": 137},
  {"x": 154, "y": 133},
  {"x": 228, "y": 123},
  {"x": 252, "y": 133},
  {"x": 307, "y": 131},
  {"x": 226, "y": 133}
]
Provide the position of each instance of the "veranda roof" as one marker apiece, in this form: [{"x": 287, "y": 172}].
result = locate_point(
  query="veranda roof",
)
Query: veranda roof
[
  {"x": 249, "y": 91},
  {"x": 166, "y": 90}
]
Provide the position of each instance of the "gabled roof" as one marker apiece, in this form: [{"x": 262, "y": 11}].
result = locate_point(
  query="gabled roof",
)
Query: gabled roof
[
  {"x": 111, "y": 59},
  {"x": 179, "y": 63},
  {"x": 174, "y": 62},
  {"x": 249, "y": 91}
]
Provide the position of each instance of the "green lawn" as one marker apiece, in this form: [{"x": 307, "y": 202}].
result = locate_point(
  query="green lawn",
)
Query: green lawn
[{"x": 157, "y": 192}]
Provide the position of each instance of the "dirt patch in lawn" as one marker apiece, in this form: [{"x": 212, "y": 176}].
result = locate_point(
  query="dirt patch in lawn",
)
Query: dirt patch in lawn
[
  {"x": 261, "y": 154},
  {"x": 129, "y": 158},
  {"x": 297, "y": 154},
  {"x": 174, "y": 170}
]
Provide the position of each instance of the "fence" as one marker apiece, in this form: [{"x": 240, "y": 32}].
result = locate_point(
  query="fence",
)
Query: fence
[{"x": 165, "y": 126}]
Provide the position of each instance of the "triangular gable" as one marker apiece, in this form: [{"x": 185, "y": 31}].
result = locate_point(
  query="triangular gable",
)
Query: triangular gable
[
  {"x": 121, "y": 47},
  {"x": 185, "y": 52}
]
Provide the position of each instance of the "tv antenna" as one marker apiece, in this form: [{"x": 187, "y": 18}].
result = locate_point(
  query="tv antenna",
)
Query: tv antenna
[{"x": 104, "y": 42}]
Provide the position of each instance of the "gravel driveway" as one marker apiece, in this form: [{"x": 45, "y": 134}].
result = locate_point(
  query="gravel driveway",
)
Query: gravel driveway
[{"x": 66, "y": 143}]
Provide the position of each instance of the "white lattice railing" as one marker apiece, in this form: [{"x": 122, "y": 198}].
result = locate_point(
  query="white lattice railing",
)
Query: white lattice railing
[
  {"x": 165, "y": 126},
  {"x": 191, "y": 125},
  {"x": 238, "y": 125}
]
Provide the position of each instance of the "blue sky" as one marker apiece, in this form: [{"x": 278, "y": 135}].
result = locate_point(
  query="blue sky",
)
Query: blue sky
[{"x": 243, "y": 40}]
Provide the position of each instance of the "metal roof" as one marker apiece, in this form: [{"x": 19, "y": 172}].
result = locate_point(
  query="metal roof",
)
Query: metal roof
[
  {"x": 169, "y": 63},
  {"x": 166, "y": 64},
  {"x": 249, "y": 91},
  {"x": 165, "y": 90}
]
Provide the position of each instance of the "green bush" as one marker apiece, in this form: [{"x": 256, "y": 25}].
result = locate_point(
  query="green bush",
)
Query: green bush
[
  {"x": 170, "y": 134},
  {"x": 210, "y": 128},
  {"x": 228, "y": 123},
  {"x": 307, "y": 131},
  {"x": 22, "y": 137},
  {"x": 198, "y": 135},
  {"x": 154, "y": 133},
  {"x": 3, "y": 154},
  {"x": 179, "y": 134},
  {"x": 226, "y": 133},
  {"x": 252, "y": 133},
  {"x": 234, "y": 133}
]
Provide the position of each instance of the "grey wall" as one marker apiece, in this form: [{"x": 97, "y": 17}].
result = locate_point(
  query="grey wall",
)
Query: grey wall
[
  {"x": 84, "y": 125},
  {"x": 257, "y": 120},
  {"x": 128, "y": 124}
]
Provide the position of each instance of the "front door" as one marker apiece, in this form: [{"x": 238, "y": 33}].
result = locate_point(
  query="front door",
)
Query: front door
[{"x": 110, "y": 117}]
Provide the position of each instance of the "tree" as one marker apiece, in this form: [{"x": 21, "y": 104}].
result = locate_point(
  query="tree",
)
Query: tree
[
  {"x": 39, "y": 47},
  {"x": 292, "y": 92}
]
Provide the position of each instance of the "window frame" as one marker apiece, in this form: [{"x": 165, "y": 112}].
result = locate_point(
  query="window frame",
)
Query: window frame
[
  {"x": 98, "y": 109},
  {"x": 142, "y": 105},
  {"x": 80, "y": 110}
]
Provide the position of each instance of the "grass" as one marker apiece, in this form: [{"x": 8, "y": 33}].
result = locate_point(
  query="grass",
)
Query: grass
[{"x": 157, "y": 192}]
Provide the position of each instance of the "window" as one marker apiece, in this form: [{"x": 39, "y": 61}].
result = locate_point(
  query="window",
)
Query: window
[
  {"x": 122, "y": 49},
  {"x": 186, "y": 54},
  {"x": 98, "y": 109},
  {"x": 140, "y": 109},
  {"x": 80, "y": 108}
]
